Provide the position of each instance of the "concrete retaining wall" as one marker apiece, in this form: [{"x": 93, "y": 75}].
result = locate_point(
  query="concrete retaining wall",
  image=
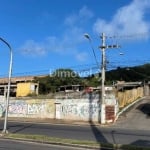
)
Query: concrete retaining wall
[
  {"x": 79, "y": 109},
  {"x": 75, "y": 109},
  {"x": 29, "y": 108}
]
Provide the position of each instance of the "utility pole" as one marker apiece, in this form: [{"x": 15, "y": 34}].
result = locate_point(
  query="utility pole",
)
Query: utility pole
[{"x": 103, "y": 47}]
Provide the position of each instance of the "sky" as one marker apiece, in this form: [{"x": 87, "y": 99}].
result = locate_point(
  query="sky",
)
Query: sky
[{"x": 46, "y": 35}]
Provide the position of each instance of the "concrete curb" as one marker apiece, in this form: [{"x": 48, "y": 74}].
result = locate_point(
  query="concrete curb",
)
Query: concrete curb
[
  {"x": 77, "y": 146},
  {"x": 106, "y": 146},
  {"x": 53, "y": 122},
  {"x": 127, "y": 107}
]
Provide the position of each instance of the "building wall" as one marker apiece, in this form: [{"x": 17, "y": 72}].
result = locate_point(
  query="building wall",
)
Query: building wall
[
  {"x": 78, "y": 109},
  {"x": 23, "y": 89},
  {"x": 32, "y": 108},
  {"x": 74, "y": 109},
  {"x": 68, "y": 109},
  {"x": 84, "y": 109}
]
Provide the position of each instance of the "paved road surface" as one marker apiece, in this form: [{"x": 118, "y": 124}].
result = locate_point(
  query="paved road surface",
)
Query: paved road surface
[
  {"x": 95, "y": 133},
  {"x": 137, "y": 118},
  {"x": 21, "y": 145}
]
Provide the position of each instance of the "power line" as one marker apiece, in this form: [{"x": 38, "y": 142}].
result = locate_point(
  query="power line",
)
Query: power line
[
  {"x": 93, "y": 50},
  {"x": 130, "y": 36},
  {"x": 85, "y": 67}
]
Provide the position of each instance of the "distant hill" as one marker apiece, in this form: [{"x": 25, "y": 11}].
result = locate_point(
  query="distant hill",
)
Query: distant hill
[{"x": 137, "y": 73}]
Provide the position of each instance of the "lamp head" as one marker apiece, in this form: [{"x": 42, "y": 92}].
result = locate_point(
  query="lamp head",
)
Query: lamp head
[{"x": 86, "y": 35}]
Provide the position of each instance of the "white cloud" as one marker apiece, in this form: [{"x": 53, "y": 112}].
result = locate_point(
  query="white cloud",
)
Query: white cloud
[
  {"x": 71, "y": 20},
  {"x": 128, "y": 20},
  {"x": 82, "y": 16},
  {"x": 68, "y": 42},
  {"x": 30, "y": 47},
  {"x": 65, "y": 45},
  {"x": 85, "y": 13},
  {"x": 82, "y": 56}
]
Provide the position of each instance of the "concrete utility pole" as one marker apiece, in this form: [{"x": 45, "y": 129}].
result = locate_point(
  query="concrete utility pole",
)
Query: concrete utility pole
[
  {"x": 103, "y": 47},
  {"x": 103, "y": 66}
]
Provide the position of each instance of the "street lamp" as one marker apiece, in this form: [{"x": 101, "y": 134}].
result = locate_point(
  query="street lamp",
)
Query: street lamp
[
  {"x": 103, "y": 48},
  {"x": 8, "y": 89}
]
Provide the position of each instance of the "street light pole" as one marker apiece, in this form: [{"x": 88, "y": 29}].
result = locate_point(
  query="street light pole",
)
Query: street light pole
[
  {"x": 103, "y": 65},
  {"x": 8, "y": 89}
]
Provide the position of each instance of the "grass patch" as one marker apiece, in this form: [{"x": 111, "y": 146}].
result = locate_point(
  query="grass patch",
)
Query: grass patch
[
  {"x": 52, "y": 140},
  {"x": 132, "y": 147},
  {"x": 81, "y": 143}
]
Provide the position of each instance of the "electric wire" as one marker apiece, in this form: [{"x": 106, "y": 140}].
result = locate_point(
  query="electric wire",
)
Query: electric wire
[
  {"x": 86, "y": 67},
  {"x": 93, "y": 50}
]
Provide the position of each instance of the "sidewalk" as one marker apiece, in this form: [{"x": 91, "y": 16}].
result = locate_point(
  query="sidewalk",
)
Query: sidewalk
[{"x": 52, "y": 121}]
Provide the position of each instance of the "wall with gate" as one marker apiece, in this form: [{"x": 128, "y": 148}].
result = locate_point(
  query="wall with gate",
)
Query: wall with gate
[
  {"x": 88, "y": 109},
  {"x": 79, "y": 109},
  {"x": 74, "y": 109}
]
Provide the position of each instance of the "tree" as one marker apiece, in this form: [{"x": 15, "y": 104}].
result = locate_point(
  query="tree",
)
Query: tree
[
  {"x": 66, "y": 77},
  {"x": 45, "y": 85},
  {"x": 59, "y": 77}
]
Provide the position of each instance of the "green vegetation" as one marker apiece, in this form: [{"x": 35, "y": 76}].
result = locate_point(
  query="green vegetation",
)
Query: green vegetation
[
  {"x": 46, "y": 139},
  {"x": 138, "y": 73},
  {"x": 51, "y": 83},
  {"x": 80, "y": 143}
]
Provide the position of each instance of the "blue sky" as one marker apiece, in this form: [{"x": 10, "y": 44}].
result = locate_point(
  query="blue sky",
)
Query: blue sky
[{"x": 46, "y": 35}]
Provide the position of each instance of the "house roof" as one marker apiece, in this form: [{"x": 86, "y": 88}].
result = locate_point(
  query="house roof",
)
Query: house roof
[{"x": 17, "y": 79}]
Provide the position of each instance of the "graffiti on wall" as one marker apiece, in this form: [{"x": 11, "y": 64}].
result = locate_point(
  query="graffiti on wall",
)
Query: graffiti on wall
[
  {"x": 19, "y": 107},
  {"x": 70, "y": 109},
  {"x": 1, "y": 109},
  {"x": 27, "y": 108},
  {"x": 36, "y": 108},
  {"x": 88, "y": 110},
  {"x": 79, "y": 110}
]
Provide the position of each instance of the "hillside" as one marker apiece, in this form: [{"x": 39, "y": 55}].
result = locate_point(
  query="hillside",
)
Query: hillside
[
  {"x": 60, "y": 77},
  {"x": 137, "y": 73}
]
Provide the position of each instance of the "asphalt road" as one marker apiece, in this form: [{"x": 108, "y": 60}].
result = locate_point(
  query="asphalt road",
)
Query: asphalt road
[
  {"x": 22, "y": 145},
  {"x": 123, "y": 132},
  {"x": 137, "y": 117},
  {"x": 95, "y": 133}
]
